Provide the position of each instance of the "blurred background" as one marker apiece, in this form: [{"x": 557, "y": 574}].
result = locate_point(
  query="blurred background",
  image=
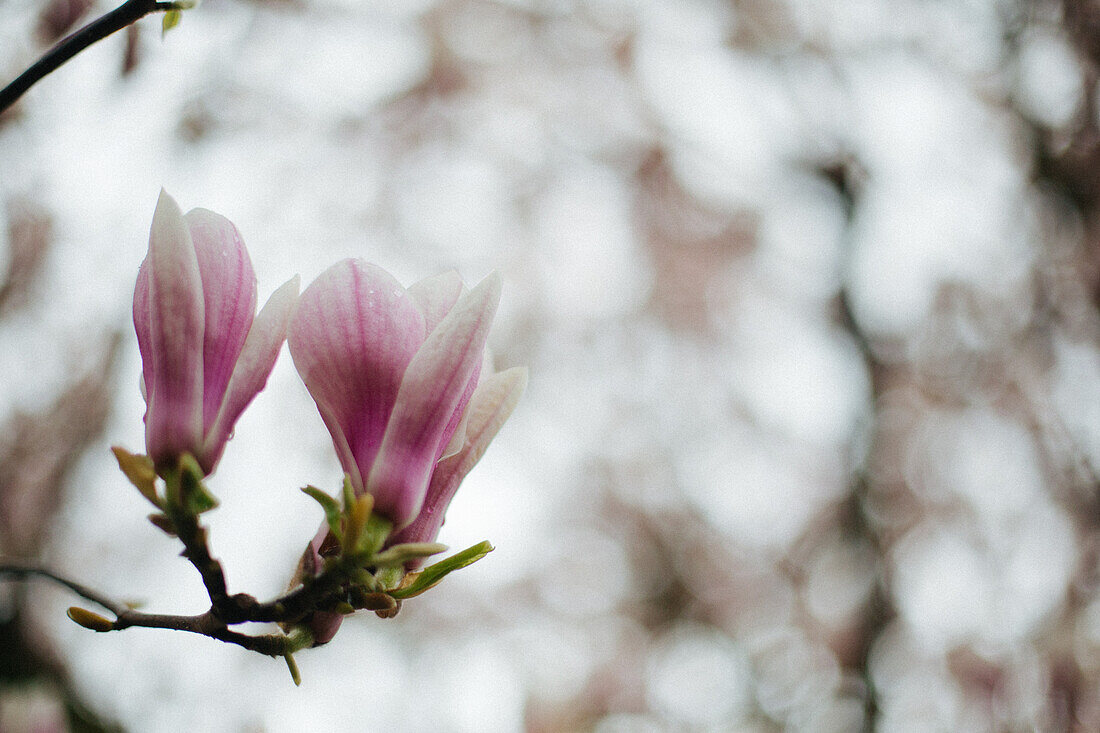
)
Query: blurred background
[{"x": 808, "y": 290}]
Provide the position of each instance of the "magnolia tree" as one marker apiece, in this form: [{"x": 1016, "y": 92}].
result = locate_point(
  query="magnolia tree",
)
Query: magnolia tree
[{"x": 401, "y": 377}]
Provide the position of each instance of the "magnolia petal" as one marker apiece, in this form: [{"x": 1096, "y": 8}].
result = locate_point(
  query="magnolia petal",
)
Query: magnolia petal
[
  {"x": 489, "y": 410},
  {"x": 431, "y": 391},
  {"x": 229, "y": 292},
  {"x": 142, "y": 320},
  {"x": 435, "y": 296},
  {"x": 454, "y": 435},
  {"x": 168, "y": 316},
  {"x": 257, "y": 358},
  {"x": 354, "y": 333},
  {"x": 344, "y": 452},
  {"x": 458, "y": 433},
  {"x": 490, "y": 407}
]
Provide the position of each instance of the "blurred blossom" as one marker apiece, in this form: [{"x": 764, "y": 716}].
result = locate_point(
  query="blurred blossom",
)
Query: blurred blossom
[
  {"x": 625, "y": 723},
  {"x": 335, "y": 83},
  {"x": 589, "y": 579},
  {"x": 981, "y": 457},
  {"x": 944, "y": 586},
  {"x": 699, "y": 679},
  {"x": 801, "y": 242},
  {"x": 798, "y": 377},
  {"x": 1050, "y": 85},
  {"x": 1075, "y": 395},
  {"x": 759, "y": 492},
  {"x": 840, "y": 581},
  {"x": 697, "y": 93},
  {"x": 453, "y": 202},
  {"x": 794, "y": 675},
  {"x": 589, "y": 249},
  {"x": 955, "y": 588},
  {"x": 480, "y": 690}
]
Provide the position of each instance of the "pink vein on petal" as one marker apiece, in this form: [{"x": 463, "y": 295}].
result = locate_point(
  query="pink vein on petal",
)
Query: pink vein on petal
[
  {"x": 433, "y": 387},
  {"x": 174, "y": 416},
  {"x": 352, "y": 337},
  {"x": 229, "y": 290}
]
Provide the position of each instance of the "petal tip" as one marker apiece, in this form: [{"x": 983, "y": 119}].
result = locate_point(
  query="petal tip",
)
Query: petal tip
[
  {"x": 494, "y": 283},
  {"x": 167, "y": 210}
]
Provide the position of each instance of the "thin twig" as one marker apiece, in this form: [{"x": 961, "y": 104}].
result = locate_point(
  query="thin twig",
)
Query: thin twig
[
  {"x": 339, "y": 587},
  {"x": 319, "y": 593},
  {"x": 206, "y": 624},
  {"x": 24, "y": 569},
  {"x": 71, "y": 45}
]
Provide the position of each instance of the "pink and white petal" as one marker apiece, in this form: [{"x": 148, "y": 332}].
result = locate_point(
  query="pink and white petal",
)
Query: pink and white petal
[
  {"x": 257, "y": 358},
  {"x": 457, "y": 436},
  {"x": 173, "y": 422},
  {"x": 490, "y": 407},
  {"x": 431, "y": 392},
  {"x": 455, "y": 433},
  {"x": 343, "y": 449},
  {"x": 457, "y": 428},
  {"x": 142, "y": 319},
  {"x": 436, "y": 295},
  {"x": 354, "y": 333},
  {"x": 229, "y": 289}
]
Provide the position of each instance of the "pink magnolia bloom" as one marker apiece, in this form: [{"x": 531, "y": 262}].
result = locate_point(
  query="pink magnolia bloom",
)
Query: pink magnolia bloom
[
  {"x": 401, "y": 379},
  {"x": 392, "y": 371},
  {"x": 205, "y": 353}
]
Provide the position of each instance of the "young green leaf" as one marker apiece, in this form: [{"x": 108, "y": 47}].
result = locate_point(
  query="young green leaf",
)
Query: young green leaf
[
  {"x": 194, "y": 496},
  {"x": 139, "y": 470},
  {"x": 401, "y": 554},
  {"x": 416, "y": 583},
  {"x": 170, "y": 20},
  {"x": 332, "y": 509}
]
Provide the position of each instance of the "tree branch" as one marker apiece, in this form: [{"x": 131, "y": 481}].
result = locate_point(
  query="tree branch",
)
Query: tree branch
[
  {"x": 323, "y": 592},
  {"x": 71, "y": 45},
  {"x": 206, "y": 624},
  {"x": 193, "y": 536},
  {"x": 23, "y": 570}
]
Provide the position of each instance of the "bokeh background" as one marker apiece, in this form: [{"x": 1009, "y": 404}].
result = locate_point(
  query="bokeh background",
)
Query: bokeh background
[{"x": 808, "y": 290}]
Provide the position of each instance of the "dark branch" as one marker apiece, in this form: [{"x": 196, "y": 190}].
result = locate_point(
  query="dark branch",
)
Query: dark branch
[
  {"x": 193, "y": 536},
  {"x": 207, "y": 624},
  {"x": 23, "y": 570},
  {"x": 73, "y": 44},
  {"x": 344, "y": 584}
]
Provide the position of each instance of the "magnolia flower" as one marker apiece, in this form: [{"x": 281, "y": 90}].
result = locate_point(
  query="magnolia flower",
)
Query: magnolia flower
[
  {"x": 393, "y": 372},
  {"x": 205, "y": 354},
  {"x": 402, "y": 381}
]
